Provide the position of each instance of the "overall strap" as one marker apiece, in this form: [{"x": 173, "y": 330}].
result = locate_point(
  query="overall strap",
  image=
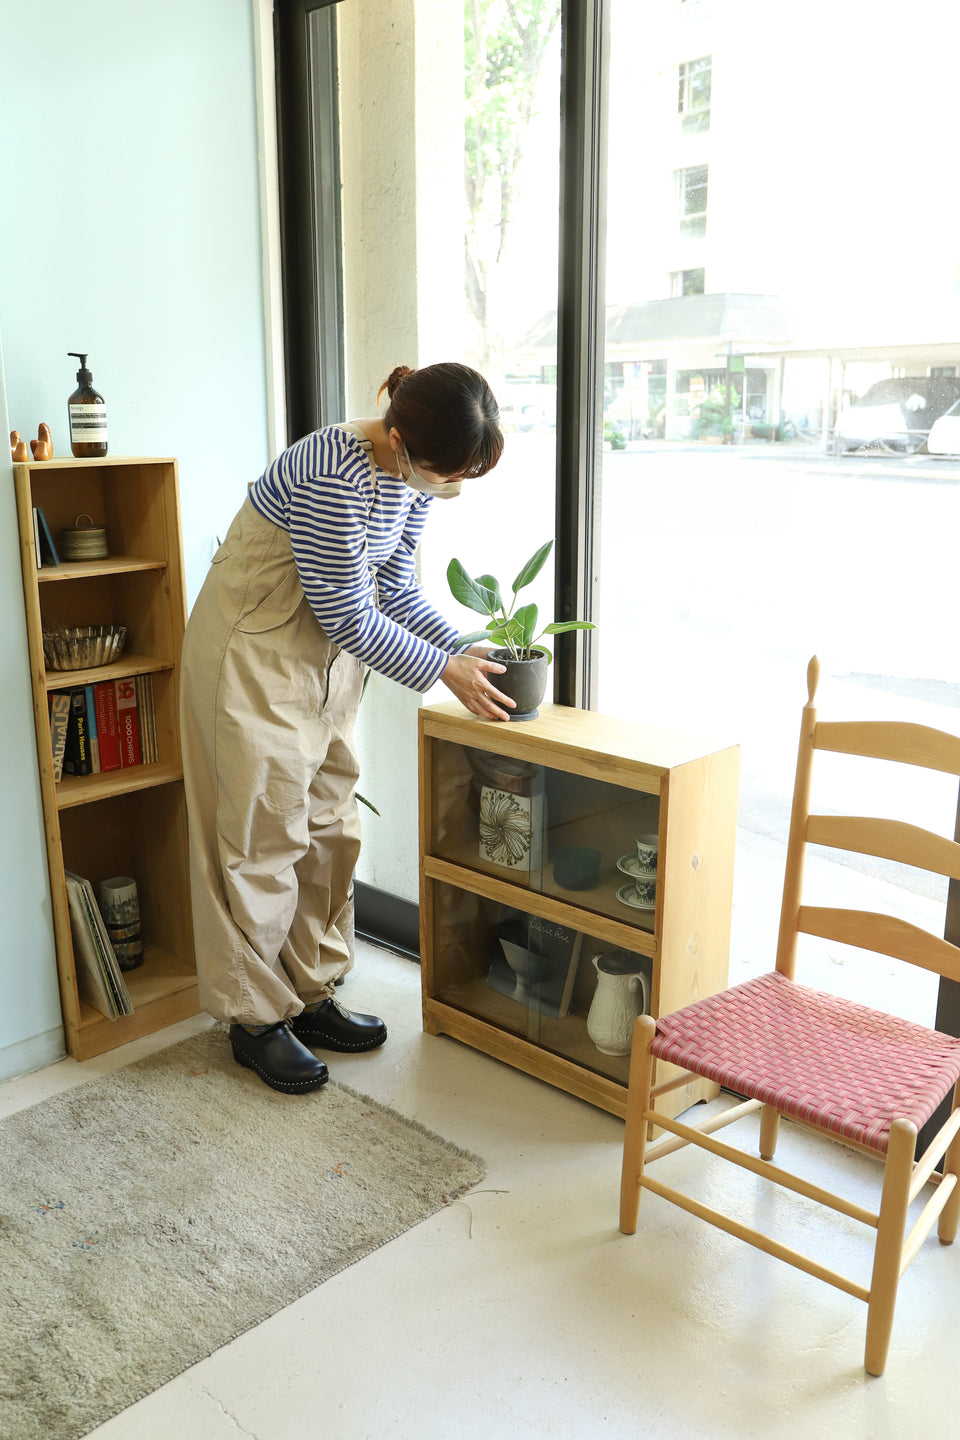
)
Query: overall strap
[{"x": 361, "y": 435}]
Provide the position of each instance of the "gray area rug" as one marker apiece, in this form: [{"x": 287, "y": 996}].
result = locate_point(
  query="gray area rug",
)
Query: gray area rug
[{"x": 149, "y": 1216}]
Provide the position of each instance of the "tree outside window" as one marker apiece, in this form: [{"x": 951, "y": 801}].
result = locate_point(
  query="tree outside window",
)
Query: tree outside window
[{"x": 508, "y": 45}]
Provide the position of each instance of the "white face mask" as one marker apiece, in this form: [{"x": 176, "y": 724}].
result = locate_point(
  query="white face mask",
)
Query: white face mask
[{"x": 444, "y": 489}]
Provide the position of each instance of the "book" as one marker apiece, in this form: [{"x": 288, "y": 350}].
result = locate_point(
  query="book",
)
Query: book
[
  {"x": 36, "y": 538},
  {"x": 108, "y": 732},
  {"x": 148, "y": 720},
  {"x": 99, "y": 978},
  {"x": 91, "y": 980},
  {"x": 59, "y": 702},
  {"x": 144, "y": 725},
  {"x": 105, "y": 951},
  {"x": 152, "y": 718},
  {"x": 76, "y": 756},
  {"x": 48, "y": 550},
  {"x": 92, "y": 730},
  {"x": 128, "y": 722}
]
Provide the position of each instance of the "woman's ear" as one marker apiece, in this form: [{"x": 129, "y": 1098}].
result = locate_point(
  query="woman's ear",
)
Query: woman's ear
[{"x": 395, "y": 438}]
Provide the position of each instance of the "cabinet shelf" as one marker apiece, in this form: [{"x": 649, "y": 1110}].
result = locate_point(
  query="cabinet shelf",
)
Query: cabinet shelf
[
  {"x": 86, "y": 569},
  {"x": 130, "y": 821},
  {"x": 637, "y": 934},
  {"x": 584, "y": 780}
]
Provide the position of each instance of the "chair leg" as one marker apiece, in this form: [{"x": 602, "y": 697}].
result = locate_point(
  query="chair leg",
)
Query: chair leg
[
  {"x": 635, "y": 1138},
  {"x": 769, "y": 1130},
  {"x": 950, "y": 1214},
  {"x": 894, "y": 1203}
]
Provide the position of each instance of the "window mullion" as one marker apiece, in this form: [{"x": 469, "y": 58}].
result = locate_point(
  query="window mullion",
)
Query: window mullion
[{"x": 580, "y": 343}]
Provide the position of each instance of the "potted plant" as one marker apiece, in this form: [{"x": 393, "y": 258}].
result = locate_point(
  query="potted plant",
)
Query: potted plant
[{"x": 513, "y": 631}]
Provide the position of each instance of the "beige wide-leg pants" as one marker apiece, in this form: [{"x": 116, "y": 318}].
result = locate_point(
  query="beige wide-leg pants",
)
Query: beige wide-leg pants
[{"x": 268, "y": 705}]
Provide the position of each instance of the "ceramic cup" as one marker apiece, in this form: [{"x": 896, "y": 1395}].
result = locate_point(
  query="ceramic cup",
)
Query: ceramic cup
[
  {"x": 577, "y": 867},
  {"x": 120, "y": 908},
  {"x": 646, "y": 888},
  {"x": 647, "y": 852}
]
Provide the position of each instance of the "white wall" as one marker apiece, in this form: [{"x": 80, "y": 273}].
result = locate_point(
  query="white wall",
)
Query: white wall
[
  {"x": 128, "y": 149},
  {"x": 128, "y": 140},
  {"x": 31, "y": 1034}
]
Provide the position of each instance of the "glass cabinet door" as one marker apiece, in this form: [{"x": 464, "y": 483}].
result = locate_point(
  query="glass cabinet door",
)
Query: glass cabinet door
[
  {"x": 581, "y": 840},
  {"x": 567, "y": 992}
]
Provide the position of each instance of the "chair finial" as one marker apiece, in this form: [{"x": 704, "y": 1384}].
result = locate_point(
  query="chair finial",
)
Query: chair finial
[{"x": 813, "y": 678}]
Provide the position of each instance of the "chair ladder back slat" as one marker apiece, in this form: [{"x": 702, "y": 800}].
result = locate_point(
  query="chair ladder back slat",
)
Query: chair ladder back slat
[
  {"x": 796, "y": 840},
  {"x": 888, "y": 839},
  {"x": 885, "y": 934},
  {"x": 892, "y": 740}
]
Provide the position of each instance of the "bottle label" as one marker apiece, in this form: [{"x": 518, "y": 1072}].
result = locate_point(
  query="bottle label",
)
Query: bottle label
[{"x": 88, "y": 423}]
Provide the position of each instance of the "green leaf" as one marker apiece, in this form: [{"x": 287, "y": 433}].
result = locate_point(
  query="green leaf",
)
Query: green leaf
[
  {"x": 473, "y": 637},
  {"x": 526, "y": 618},
  {"x": 469, "y": 592},
  {"x": 508, "y": 635},
  {"x": 560, "y": 627},
  {"x": 491, "y": 583},
  {"x": 533, "y": 567}
]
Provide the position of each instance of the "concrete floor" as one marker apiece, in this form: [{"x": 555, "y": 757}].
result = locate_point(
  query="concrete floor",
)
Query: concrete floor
[{"x": 522, "y": 1311}]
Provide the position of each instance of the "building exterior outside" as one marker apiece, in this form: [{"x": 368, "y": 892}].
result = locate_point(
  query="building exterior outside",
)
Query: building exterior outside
[{"x": 775, "y": 233}]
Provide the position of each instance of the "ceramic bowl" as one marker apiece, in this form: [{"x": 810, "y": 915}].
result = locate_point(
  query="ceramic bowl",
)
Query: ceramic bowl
[{"x": 577, "y": 867}]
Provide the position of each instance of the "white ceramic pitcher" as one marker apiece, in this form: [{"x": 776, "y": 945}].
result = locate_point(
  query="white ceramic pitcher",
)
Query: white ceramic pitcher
[{"x": 623, "y": 993}]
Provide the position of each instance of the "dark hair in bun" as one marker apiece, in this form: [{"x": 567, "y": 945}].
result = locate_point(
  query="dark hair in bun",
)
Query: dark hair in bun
[{"x": 447, "y": 416}]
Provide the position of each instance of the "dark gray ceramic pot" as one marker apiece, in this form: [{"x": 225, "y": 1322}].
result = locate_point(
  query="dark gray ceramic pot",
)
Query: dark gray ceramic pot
[{"x": 524, "y": 681}]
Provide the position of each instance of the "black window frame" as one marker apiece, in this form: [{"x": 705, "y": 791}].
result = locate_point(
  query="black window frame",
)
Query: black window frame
[{"x": 308, "y": 139}]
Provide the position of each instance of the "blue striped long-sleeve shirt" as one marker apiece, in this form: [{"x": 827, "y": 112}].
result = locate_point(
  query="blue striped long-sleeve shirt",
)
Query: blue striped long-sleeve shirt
[{"x": 354, "y": 541}]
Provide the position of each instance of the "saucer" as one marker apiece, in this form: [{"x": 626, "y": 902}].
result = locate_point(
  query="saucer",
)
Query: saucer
[
  {"x": 628, "y": 896},
  {"x": 630, "y": 865}
]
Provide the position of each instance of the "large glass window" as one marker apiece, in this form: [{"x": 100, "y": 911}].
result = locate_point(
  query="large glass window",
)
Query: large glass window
[
  {"x": 780, "y": 474},
  {"x": 511, "y": 202}
]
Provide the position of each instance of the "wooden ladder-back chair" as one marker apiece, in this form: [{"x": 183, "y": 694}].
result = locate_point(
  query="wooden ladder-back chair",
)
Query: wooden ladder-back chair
[{"x": 861, "y": 1076}]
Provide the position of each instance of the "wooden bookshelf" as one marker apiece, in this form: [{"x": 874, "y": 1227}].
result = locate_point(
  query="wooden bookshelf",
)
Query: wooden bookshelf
[{"x": 130, "y": 821}]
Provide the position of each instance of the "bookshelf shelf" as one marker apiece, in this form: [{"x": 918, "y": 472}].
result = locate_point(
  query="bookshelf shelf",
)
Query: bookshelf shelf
[
  {"x": 84, "y": 569},
  {"x": 85, "y": 789},
  {"x": 127, "y": 665},
  {"x": 130, "y": 821}
]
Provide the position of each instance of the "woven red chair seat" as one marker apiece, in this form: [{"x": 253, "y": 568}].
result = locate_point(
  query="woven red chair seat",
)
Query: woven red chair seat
[{"x": 843, "y": 1066}]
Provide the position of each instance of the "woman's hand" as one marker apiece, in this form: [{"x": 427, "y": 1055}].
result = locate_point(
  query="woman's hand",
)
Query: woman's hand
[{"x": 470, "y": 677}]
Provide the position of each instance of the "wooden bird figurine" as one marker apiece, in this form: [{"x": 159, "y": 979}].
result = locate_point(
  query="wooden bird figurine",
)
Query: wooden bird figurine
[
  {"x": 21, "y": 452},
  {"x": 14, "y": 440},
  {"x": 42, "y": 447}
]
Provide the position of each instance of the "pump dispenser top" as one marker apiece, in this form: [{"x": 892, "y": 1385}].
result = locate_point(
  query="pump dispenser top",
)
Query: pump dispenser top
[
  {"x": 87, "y": 414},
  {"x": 83, "y": 374}
]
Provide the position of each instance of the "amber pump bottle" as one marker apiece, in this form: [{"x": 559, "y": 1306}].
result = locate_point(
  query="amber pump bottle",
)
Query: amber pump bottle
[{"x": 87, "y": 414}]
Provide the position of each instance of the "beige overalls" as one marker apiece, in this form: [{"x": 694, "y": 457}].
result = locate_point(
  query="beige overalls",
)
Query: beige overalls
[{"x": 268, "y": 706}]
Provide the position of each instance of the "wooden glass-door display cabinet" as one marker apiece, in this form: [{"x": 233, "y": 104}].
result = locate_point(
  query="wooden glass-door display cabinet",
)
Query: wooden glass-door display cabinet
[
  {"x": 128, "y": 821},
  {"x": 574, "y": 869}
]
